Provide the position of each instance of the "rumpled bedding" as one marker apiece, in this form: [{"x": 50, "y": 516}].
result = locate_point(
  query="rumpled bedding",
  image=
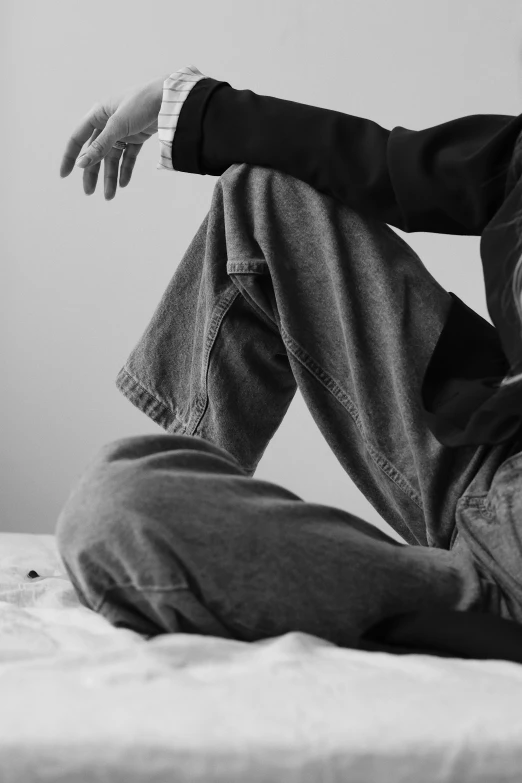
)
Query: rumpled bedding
[{"x": 83, "y": 701}]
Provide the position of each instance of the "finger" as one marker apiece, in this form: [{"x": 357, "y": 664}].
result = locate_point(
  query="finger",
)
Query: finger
[
  {"x": 127, "y": 163},
  {"x": 112, "y": 164},
  {"x": 90, "y": 174},
  {"x": 112, "y": 131},
  {"x": 78, "y": 138}
]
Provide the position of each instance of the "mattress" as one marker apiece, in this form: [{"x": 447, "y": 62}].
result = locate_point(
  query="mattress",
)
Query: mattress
[{"x": 83, "y": 701}]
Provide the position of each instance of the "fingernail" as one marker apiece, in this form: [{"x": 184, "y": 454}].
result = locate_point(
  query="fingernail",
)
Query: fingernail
[{"x": 82, "y": 161}]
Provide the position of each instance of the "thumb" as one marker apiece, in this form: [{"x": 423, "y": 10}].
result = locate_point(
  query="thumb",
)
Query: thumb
[{"x": 100, "y": 147}]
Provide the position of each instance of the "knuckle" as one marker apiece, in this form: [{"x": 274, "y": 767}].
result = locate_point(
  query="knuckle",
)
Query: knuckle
[
  {"x": 115, "y": 124},
  {"x": 96, "y": 146}
]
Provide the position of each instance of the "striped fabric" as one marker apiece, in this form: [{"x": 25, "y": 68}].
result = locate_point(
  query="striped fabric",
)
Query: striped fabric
[{"x": 176, "y": 89}]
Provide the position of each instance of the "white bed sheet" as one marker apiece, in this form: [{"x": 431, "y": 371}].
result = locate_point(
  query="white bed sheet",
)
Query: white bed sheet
[{"x": 82, "y": 701}]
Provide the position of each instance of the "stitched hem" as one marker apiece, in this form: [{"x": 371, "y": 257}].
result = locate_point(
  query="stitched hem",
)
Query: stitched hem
[{"x": 143, "y": 399}]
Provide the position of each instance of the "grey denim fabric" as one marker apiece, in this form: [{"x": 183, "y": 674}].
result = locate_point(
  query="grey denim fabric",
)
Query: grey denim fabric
[{"x": 283, "y": 287}]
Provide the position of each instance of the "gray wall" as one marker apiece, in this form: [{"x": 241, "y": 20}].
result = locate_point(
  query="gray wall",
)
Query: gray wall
[{"x": 81, "y": 277}]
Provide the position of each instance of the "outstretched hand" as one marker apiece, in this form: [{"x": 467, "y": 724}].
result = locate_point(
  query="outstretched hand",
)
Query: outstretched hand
[{"x": 131, "y": 117}]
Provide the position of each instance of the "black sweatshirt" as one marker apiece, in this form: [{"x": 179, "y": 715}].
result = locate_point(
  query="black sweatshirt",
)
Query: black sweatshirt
[{"x": 449, "y": 179}]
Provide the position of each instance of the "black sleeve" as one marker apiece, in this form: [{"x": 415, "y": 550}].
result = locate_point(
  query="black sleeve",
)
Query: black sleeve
[{"x": 449, "y": 179}]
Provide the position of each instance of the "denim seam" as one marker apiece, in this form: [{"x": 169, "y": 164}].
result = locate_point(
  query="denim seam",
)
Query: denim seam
[
  {"x": 335, "y": 389},
  {"x": 258, "y": 311},
  {"x": 480, "y": 502},
  {"x": 141, "y": 589},
  {"x": 152, "y": 398},
  {"x": 220, "y": 310}
]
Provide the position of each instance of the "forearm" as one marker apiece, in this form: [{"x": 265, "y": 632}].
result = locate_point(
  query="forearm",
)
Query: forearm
[{"x": 446, "y": 179}]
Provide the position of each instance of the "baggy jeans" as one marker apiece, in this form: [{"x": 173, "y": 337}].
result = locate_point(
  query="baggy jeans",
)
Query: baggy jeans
[{"x": 284, "y": 287}]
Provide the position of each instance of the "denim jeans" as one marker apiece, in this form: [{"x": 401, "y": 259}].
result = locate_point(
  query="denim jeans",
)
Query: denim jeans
[{"x": 284, "y": 287}]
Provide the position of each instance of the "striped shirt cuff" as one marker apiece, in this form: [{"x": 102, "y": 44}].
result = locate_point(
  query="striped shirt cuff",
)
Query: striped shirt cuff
[{"x": 176, "y": 89}]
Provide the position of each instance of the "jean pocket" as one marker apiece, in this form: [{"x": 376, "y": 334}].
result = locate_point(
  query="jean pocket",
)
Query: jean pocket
[{"x": 492, "y": 526}]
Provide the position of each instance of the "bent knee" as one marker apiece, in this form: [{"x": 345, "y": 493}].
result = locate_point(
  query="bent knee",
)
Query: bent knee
[
  {"x": 94, "y": 503},
  {"x": 120, "y": 484},
  {"x": 133, "y": 483}
]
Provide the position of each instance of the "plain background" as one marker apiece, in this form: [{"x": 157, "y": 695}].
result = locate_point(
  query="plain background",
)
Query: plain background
[{"x": 81, "y": 277}]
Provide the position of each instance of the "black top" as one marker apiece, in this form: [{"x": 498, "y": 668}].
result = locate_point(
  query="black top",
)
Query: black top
[{"x": 449, "y": 179}]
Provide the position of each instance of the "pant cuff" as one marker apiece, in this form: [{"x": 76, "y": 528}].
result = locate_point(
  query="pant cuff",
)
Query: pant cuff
[{"x": 144, "y": 400}]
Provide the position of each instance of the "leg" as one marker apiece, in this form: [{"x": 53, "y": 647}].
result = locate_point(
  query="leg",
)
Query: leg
[
  {"x": 284, "y": 287},
  {"x": 167, "y": 533}
]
